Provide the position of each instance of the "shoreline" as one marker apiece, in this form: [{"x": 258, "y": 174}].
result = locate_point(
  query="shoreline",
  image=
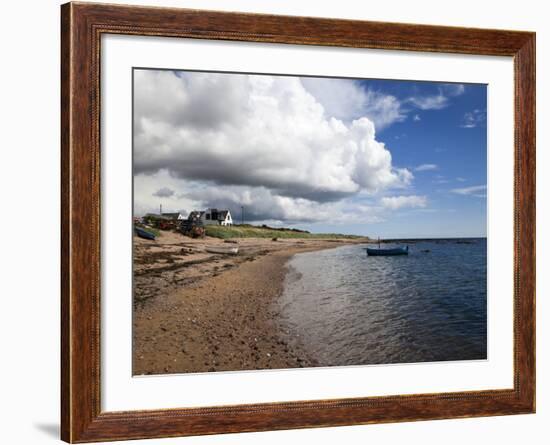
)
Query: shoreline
[{"x": 214, "y": 312}]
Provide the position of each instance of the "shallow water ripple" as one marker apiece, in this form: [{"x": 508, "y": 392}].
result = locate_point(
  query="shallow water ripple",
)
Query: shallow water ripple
[{"x": 351, "y": 309}]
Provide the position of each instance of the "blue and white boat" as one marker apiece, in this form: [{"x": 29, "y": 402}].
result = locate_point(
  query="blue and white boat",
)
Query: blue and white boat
[
  {"x": 142, "y": 233},
  {"x": 387, "y": 252}
]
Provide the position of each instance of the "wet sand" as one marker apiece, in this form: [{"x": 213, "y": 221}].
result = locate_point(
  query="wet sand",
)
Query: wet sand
[{"x": 200, "y": 312}]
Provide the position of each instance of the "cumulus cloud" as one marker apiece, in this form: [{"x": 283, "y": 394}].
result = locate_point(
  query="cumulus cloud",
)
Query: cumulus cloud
[
  {"x": 263, "y": 205},
  {"x": 346, "y": 99},
  {"x": 398, "y": 202},
  {"x": 164, "y": 192},
  {"x": 267, "y": 136},
  {"x": 426, "y": 167}
]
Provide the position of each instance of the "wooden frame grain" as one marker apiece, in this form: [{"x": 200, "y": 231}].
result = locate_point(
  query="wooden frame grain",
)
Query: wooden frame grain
[{"x": 82, "y": 25}]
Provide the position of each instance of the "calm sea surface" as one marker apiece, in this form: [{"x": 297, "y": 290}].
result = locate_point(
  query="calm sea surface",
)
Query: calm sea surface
[{"x": 350, "y": 309}]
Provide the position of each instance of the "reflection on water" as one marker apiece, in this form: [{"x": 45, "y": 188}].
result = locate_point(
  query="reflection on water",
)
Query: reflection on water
[{"x": 350, "y": 309}]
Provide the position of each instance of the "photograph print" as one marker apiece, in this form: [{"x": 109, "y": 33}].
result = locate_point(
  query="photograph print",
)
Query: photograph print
[{"x": 285, "y": 221}]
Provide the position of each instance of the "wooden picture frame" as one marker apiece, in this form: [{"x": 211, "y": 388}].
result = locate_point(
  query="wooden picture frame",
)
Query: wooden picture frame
[{"x": 82, "y": 25}]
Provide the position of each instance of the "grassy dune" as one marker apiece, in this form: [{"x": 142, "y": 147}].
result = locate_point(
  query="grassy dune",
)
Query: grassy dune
[{"x": 249, "y": 231}]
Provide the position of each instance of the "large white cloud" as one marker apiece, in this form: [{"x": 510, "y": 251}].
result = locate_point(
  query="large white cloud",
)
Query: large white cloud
[
  {"x": 346, "y": 99},
  {"x": 267, "y": 135},
  {"x": 260, "y": 204}
]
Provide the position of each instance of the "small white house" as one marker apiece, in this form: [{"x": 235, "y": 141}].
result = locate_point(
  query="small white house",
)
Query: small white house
[
  {"x": 176, "y": 216},
  {"x": 216, "y": 217}
]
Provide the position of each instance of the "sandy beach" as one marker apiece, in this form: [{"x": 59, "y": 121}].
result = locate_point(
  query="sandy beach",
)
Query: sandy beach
[{"x": 196, "y": 311}]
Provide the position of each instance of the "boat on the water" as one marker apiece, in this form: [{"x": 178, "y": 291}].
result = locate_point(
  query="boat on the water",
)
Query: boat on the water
[
  {"x": 222, "y": 250},
  {"x": 142, "y": 233},
  {"x": 388, "y": 252}
]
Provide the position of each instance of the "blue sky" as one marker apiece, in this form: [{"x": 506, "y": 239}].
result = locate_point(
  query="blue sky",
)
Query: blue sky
[
  {"x": 370, "y": 157},
  {"x": 445, "y": 146}
]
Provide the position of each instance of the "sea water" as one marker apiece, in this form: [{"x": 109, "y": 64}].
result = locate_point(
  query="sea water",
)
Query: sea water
[{"x": 347, "y": 308}]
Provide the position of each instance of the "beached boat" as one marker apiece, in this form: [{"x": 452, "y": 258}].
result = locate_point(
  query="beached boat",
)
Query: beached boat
[
  {"x": 142, "y": 233},
  {"x": 387, "y": 252},
  {"x": 223, "y": 250}
]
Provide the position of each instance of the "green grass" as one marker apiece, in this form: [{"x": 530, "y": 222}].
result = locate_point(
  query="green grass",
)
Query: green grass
[{"x": 249, "y": 231}]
